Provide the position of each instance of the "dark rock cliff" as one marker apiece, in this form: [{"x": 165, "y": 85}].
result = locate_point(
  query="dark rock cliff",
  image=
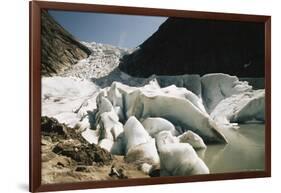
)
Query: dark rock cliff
[
  {"x": 59, "y": 48},
  {"x": 192, "y": 46}
]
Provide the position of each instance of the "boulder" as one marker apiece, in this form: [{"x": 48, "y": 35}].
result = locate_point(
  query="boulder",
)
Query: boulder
[
  {"x": 50, "y": 126},
  {"x": 83, "y": 153}
]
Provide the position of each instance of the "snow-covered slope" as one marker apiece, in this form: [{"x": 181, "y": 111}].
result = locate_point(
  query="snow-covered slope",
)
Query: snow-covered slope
[{"x": 68, "y": 99}]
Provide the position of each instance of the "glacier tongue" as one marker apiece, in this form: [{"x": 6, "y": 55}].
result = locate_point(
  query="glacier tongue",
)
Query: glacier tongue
[
  {"x": 73, "y": 101},
  {"x": 101, "y": 62}
]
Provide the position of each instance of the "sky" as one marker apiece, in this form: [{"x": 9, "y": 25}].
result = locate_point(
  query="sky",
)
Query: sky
[{"x": 126, "y": 31}]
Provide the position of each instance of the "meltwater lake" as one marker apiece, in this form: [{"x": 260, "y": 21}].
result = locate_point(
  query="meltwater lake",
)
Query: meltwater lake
[{"x": 244, "y": 152}]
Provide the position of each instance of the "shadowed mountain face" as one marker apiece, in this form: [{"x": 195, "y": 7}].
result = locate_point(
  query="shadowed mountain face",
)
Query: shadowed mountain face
[
  {"x": 60, "y": 50},
  {"x": 192, "y": 46}
]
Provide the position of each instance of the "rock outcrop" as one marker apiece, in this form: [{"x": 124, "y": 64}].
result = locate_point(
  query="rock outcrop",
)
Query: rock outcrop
[
  {"x": 60, "y": 49},
  {"x": 192, "y": 46},
  {"x": 68, "y": 157}
]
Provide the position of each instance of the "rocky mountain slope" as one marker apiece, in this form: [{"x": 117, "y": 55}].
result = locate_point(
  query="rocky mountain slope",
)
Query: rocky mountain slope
[
  {"x": 194, "y": 46},
  {"x": 60, "y": 50}
]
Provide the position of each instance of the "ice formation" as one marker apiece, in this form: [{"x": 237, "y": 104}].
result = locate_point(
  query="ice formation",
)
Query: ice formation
[
  {"x": 178, "y": 159},
  {"x": 68, "y": 99},
  {"x": 158, "y": 120},
  {"x": 193, "y": 139},
  {"x": 239, "y": 108},
  {"x": 218, "y": 86},
  {"x": 154, "y": 125},
  {"x": 140, "y": 146},
  {"x": 177, "y": 105}
]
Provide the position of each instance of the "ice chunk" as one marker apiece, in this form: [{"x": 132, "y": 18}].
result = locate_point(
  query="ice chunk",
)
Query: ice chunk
[
  {"x": 178, "y": 159},
  {"x": 135, "y": 133},
  {"x": 193, "y": 139},
  {"x": 177, "y": 105},
  {"x": 218, "y": 86},
  {"x": 140, "y": 146},
  {"x": 154, "y": 125},
  {"x": 91, "y": 136},
  {"x": 143, "y": 153},
  {"x": 242, "y": 107}
]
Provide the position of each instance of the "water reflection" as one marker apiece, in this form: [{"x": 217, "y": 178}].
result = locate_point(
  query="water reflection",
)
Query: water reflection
[{"x": 245, "y": 151}]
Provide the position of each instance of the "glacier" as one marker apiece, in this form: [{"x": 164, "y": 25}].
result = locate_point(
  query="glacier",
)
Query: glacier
[{"x": 160, "y": 120}]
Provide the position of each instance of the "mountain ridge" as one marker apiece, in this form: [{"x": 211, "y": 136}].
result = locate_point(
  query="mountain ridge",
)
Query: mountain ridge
[
  {"x": 193, "y": 46},
  {"x": 60, "y": 50}
]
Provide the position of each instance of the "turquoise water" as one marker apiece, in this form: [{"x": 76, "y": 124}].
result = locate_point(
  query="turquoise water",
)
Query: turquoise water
[{"x": 245, "y": 151}]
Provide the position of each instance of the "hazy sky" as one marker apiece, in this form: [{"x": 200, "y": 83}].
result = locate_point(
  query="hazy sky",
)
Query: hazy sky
[{"x": 120, "y": 30}]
